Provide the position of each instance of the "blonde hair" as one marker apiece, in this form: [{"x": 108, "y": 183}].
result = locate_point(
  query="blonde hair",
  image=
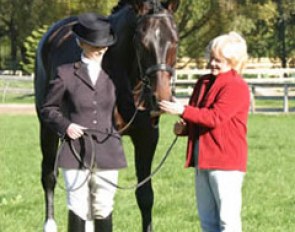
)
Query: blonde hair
[{"x": 232, "y": 47}]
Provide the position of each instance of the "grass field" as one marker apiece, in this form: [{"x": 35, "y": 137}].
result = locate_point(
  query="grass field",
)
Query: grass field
[{"x": 268, "y": 193}]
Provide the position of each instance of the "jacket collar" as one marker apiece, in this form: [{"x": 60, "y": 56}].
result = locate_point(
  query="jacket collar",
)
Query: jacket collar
[
  {"x": 230, "y": 73},
  {"x": 82, "y": 73}
]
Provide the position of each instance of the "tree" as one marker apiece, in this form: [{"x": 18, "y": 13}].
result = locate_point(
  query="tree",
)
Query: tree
[
  {"x": 285, "y": 30},
  {"x": 268, "y": 29},
  {"x": 30, "y": 45},
  {"x": 194, "y": 18},
  {"x": 267, "y": 25},
  {"x": 18, "y": 18}
]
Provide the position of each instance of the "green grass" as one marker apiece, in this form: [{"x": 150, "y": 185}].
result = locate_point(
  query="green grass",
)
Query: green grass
[
  {"x": 17, "y": 99},
  {"x": 268, "y": 194},
  {"x": 274, "y": 104}
]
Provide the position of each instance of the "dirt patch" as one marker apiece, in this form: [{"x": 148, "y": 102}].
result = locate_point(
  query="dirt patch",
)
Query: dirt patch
[{"x": 28, "y": 109}]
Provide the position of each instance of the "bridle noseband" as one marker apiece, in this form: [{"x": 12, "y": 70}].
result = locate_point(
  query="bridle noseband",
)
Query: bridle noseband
[{"x": 159, "y": 67}]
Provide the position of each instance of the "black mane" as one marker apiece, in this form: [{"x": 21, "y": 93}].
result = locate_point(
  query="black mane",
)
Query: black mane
[
  {"x": 119, "y": 6},
  {"x": 155, "y": 5}
]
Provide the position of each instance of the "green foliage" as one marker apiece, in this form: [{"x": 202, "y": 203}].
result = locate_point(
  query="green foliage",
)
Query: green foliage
[
  {"x": 268, "y": 196},
  {"x": 19, "y": 18},
  {"x": 71, "y": 8},
  {"x": 198, "y": 22},
  {"x": 30, "y": 45},
  {"x": 79, "y": 6},
  {"x": 256, "y": 20}
]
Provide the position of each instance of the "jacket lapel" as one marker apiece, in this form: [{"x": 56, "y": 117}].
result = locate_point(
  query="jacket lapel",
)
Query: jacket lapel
[
  {"x": 200, "y": 92},
  {"x": 203, "y": 90},
  {"x": 101, "y": 77},
  {"x": 81, "y": 73}
]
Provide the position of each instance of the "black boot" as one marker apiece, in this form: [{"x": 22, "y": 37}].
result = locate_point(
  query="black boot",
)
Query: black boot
[
  {"x": 75, "y": 223},
  {"x": 104, "y": 225}
]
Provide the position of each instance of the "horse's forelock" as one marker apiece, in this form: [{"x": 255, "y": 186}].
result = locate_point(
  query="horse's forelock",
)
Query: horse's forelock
[{"x": 157, "y": 6}]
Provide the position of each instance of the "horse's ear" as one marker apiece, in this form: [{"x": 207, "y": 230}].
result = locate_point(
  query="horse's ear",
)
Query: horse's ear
[
  {"x": 141, "y": 7},
  {"x": 171, "y": 5}
]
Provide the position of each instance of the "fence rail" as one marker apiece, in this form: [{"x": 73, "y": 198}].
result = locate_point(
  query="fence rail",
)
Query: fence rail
[
  {"x": 263, "y": 84},
  {"x": 15, "y": 85},
  {"x": 190, "y": 74}
]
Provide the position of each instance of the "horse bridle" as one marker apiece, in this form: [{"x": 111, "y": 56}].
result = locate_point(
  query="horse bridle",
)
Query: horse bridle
[{"x": 144, "y": 76}]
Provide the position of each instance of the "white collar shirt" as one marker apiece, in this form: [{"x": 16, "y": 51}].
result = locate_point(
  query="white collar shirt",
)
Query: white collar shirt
[{"x": 93, "y": 68}]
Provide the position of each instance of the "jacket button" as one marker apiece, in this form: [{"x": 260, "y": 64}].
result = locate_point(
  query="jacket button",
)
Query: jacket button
[
  {"x": 95, "y": 112},
  {"x": 94, "y": 122},
  {"x": 94, "y": 102}
]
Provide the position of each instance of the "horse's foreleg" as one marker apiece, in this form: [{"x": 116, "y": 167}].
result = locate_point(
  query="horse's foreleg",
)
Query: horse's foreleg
[
  {"x": 145, "y": 201},
  {"x": 49, "y": 143},
  {"x": 145, "y": 142},
  {"x": 48, "y": 183}
]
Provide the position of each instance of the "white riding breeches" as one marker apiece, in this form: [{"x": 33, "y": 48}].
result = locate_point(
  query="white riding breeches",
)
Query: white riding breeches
[{"x": 88, "y": 196}]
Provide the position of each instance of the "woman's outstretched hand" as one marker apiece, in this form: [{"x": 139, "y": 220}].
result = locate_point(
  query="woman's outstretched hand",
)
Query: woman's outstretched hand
[{"x": 174, "y": 107}]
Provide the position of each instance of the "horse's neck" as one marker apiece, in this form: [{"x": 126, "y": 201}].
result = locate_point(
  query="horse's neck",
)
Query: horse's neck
[
  {"x": 124, "y": 23},
  {"x": 122, "y": 54},
  {"x": 60, "y": 45},
  {"x": 56, "y": 30}
]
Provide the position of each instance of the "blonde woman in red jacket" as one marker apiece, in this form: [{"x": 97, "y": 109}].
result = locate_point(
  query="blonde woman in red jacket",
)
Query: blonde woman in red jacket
[{"x": 216, "y": 124}]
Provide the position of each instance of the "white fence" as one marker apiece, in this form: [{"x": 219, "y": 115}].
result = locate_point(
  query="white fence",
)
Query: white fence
[
  {"x": 16, "y": 85},
  {"x": 277, "y": 84},
  {"x": 263, "y": 84},
  {"x": 247, "y": 73}
]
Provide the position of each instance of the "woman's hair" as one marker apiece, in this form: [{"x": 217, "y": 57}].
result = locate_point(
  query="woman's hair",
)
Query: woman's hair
[{"x": 231, "y": 47}]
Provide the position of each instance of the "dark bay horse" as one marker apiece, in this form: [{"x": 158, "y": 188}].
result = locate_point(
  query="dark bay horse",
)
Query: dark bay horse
[{"x": 144, "y": 55}]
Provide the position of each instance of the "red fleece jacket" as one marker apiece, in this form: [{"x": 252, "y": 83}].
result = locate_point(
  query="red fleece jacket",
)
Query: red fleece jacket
[{"x": 218, "y": 119}]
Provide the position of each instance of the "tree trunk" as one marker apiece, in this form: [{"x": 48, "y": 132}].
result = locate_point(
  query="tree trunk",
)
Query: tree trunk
[
  {"x": 13, "y": 45},
  {"x": 281, "y": 35}
]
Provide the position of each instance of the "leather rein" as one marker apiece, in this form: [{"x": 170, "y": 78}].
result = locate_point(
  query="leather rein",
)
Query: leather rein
[{"x": 90, "y": 133}]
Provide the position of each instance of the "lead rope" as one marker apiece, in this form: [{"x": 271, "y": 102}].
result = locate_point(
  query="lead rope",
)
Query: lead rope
[
  {"x": 148, "y": 178},
  {"x": 91, "y": 167}
]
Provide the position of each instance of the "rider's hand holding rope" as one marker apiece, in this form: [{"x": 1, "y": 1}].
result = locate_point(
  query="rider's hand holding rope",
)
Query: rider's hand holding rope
[{"x": 75, "y": 131}]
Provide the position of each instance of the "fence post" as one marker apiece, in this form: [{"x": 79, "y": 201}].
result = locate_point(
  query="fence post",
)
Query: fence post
[
  {"x": 286, "y": 100},
  {"x": 5, "y": 89},
  {"x": 173, "y": 84},
  {"x": 252, "y": 98}
]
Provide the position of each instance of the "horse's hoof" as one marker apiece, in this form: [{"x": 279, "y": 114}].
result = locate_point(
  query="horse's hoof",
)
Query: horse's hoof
[{"x": 50, "y": 226}]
